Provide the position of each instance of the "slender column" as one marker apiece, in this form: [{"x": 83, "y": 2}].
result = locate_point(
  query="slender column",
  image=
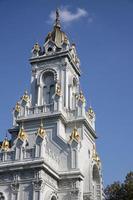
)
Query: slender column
[{"x": 39, "y": 96}]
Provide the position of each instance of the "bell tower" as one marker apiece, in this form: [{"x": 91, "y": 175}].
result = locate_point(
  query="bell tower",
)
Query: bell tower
[{"x": 52, "y": 153}]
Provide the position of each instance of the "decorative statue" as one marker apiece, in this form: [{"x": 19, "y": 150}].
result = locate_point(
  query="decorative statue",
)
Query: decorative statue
[
  {"x": 22, "y": 134},
  {"x": 17, "y": 107},
  {"x": 25, "y": 97},
  {"x": 36, "y": 50},
  {"x": 58, "y": 89},
  {"x": 81, "y": 97},
  {"x": 41, "y": 132}
]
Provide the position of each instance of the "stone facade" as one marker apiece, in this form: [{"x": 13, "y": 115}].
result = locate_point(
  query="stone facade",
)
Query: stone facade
[{"x": 52, "y": 153}]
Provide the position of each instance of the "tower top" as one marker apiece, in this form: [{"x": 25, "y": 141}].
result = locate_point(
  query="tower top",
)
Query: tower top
[{"x": 57, "y": 35}]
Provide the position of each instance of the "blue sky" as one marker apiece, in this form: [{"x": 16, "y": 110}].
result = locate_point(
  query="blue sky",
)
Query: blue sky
[{"x": 103, "y": 33}]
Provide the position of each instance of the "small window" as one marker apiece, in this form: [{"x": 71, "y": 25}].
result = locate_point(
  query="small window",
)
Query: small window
[{"x": 50, "y": 49}]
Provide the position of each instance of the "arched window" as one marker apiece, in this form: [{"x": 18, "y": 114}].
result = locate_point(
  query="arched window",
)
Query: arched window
[
  {"x": 2, "y": 196},
  {"x": 53, "y": 198},
  {"x": 48, "y": 87},
  {"x": 96, "y": 183}
]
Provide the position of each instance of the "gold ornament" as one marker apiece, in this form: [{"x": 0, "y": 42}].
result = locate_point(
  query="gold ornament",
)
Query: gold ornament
[
  {"x": 5, "y": 145},
  {"x": 22, "y": 134},
  {"x": 41, "y": 132},
  {"x": 75, "y": 135}
]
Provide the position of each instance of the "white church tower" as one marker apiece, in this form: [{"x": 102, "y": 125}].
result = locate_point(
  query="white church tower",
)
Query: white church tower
[{"x": 52, "y": 153}]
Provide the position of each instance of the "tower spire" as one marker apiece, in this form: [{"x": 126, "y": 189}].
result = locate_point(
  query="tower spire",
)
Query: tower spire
[{"x": 57, "y": 20}]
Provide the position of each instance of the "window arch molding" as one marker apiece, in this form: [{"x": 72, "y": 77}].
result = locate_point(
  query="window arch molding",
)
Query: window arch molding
[{"x": 47, "y": 70}]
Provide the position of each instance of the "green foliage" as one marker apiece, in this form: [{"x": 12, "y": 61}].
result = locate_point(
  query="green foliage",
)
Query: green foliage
[{"x": 120, "y": 191}]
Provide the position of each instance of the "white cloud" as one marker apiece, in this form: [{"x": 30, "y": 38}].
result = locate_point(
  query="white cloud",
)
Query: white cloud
[{"x": 67, "y": 16}]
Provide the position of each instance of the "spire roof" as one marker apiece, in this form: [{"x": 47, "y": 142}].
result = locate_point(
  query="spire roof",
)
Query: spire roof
[{"x": 57, "y": 35}]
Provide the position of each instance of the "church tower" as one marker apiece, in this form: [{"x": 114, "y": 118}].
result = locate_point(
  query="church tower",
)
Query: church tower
[{"x": 52, "y": 153}]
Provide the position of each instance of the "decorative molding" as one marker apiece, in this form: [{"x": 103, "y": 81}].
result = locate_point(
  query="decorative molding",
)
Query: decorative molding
[
  {"x": 38, "y": 184},
  {"x": 15, "y": 186}
]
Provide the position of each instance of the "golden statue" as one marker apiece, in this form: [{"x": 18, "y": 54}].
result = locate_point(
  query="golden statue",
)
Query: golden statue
[
  {"x": 41, "y": 132},
  {"x": 22, "y": 134},
  {"x": 17, "y": 107},
  {"x": 5, "y": 145},
  {"x": 25, "y": 97}
]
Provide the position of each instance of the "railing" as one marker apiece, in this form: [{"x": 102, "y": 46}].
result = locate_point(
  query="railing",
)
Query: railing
[
  {"x": 27, "y": 111},
  {"x": 24, "y": 154}
]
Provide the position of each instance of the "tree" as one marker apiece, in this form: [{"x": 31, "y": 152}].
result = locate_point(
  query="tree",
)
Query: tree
[{"x": 120, "y": 191}]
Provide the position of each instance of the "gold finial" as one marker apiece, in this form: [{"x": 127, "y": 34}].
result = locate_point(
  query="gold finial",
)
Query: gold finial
[
  {"x": 57, "y": 20},
  {"x": 75, "y": 135},
  {"x": 5, "y": 145},
  {"x": 17, "y": 107},
  {"x": 41, "y": 131},
  {"x": 22, "y": 134},
  {"x": 25, "y": 97}
]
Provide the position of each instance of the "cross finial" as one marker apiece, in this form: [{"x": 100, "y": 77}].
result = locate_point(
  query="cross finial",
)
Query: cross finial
[{"x": 57, "y": 21}]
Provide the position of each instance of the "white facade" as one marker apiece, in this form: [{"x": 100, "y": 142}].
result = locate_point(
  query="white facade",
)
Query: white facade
[{"x": 52, "y": 152}]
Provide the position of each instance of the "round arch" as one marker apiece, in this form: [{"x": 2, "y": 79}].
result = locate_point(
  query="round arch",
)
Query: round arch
[{"x": 47, "y": 70}]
